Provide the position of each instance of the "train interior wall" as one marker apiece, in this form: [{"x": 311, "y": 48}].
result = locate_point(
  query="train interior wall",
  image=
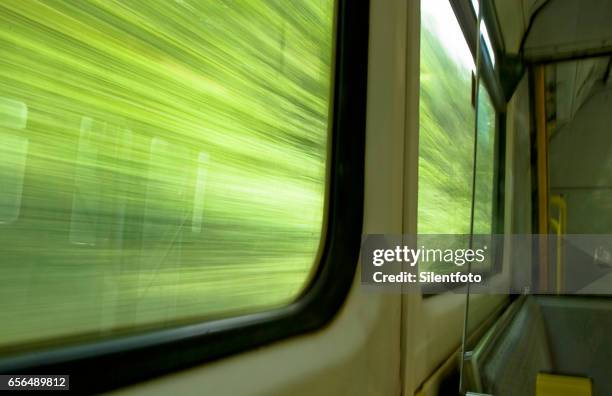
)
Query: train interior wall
[{"x": 581, "y": 166}]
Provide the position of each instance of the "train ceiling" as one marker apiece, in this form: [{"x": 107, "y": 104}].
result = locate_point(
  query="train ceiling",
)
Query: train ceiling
[
  {"x": 555, "y": 29},
  {"x": 578, "y": 31}
]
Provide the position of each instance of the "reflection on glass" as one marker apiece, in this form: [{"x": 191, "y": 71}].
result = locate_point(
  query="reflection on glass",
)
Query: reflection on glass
[
  {"x": 165, "y": 202},
  {"x": 13, "y": 114},
  {"x": 86, "y": 200},
  {"x": 174, "y": 171},
  {"x": 200, "y": 188},
  {"x": 485, "y": 33},
  {"x": 13, "y": 154}
]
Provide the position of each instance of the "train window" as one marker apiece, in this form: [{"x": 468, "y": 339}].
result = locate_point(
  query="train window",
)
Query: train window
[
  {"x": 446, "y": 123},
  {"x": 173, "y": 165},
  {"x": 446, "y": 139}
]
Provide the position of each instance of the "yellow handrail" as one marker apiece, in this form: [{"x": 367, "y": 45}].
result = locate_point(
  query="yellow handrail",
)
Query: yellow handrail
[{"x": 559, "y": 225}]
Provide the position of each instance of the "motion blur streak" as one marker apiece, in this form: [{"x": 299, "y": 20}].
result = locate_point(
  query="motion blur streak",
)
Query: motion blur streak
[{"x": 161, "y": 161}]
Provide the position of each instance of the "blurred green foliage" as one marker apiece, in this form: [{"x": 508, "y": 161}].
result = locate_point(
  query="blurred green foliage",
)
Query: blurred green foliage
[
  {"x": 446, "y": 143},
  {"x": 164, "y": 161},
  {"x": 172, "y": 163}
]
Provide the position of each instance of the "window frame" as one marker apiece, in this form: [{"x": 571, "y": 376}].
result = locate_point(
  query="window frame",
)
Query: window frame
[
  {"x": 489, "y": 74},
  {"x": 138, "y": 357}
]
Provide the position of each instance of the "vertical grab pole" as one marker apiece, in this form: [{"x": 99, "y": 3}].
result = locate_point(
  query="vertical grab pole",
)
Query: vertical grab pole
[
  {"x": 472, "y": 208},
  {"x": 542, "y": 177}
]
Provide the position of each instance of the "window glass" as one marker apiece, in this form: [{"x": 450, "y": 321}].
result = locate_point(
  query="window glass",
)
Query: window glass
[
  {"x": 484, "y": 33},
  {"x": 446, "y": 138},
  {"x": 487, "y": 40},
  {"x": 485, "y": 165},
  {"x": 446, "y": 121},
  {"x": 164, "y": 161}
]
